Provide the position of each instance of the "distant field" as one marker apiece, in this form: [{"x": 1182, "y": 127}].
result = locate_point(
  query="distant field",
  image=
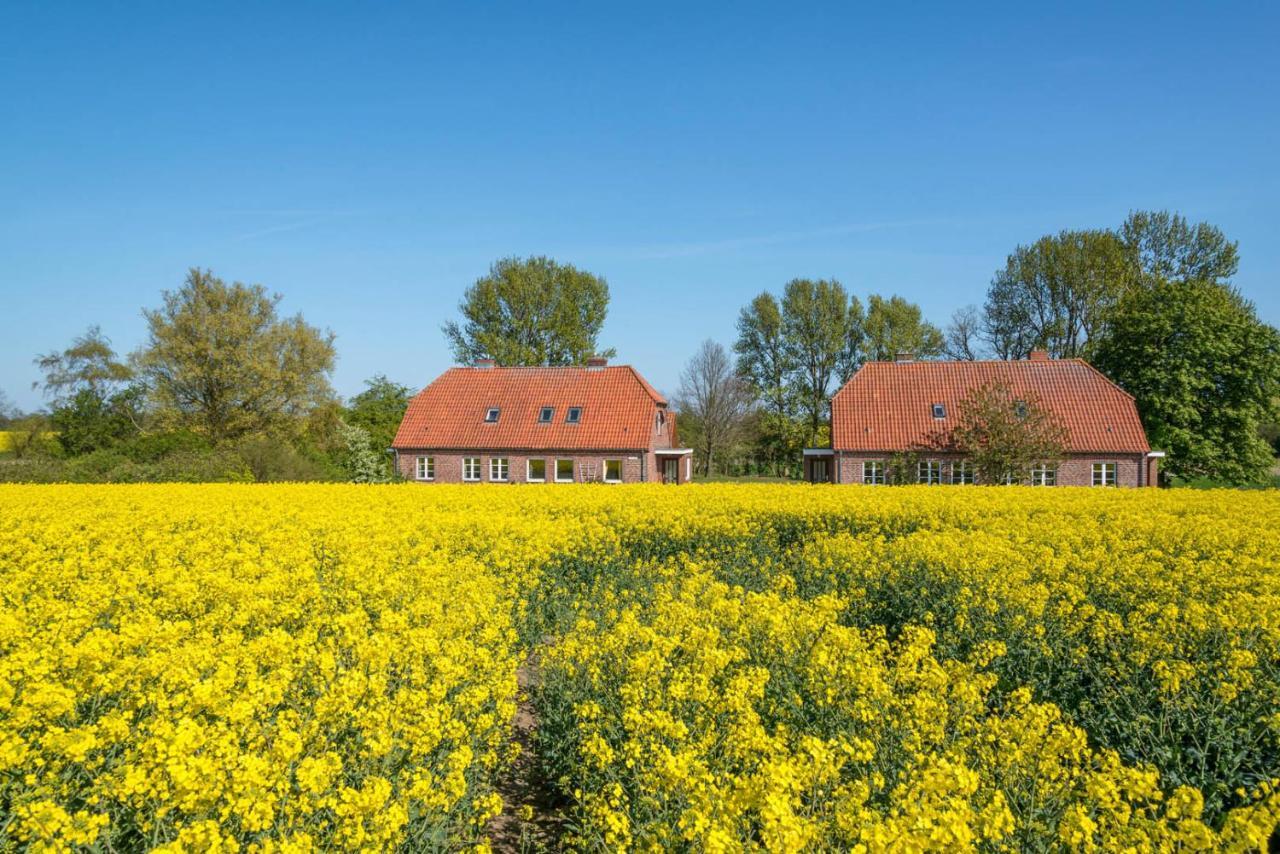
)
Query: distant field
[{"x": 708, "y": 667}]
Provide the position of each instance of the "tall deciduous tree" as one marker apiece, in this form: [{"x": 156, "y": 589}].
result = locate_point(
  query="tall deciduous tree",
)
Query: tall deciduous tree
[
  {"x": 714, "y": 401},
  {"x": 963, "y": 335},
  {"x": 1056, "y": 293},
  {"x": 815, "y": 317},
  {"x": 89, "y": 365},
  {"x": 895, "y": 325},
  {"x": 1165, "y": 247},
  {"x": 220, "y": 360},
  {"x": 763, "y": 358},
  {"x": 531, "y": 311},
  {"x": 853, "y": 354},
  {"x": 1003, "y": 435},
  {"x": 378, "y": 410},
  {"x": 1205, "y": 372}
]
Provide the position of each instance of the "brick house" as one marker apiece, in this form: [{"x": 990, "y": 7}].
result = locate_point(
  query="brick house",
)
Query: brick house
[
  {"x": 909, "y": 406},
  {"x": 540, "y": 425}
]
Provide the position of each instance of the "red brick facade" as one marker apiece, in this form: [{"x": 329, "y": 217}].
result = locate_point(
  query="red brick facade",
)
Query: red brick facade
[
  {"x": 635, "y": 466},
  {"x": 1131, "y": 470}
]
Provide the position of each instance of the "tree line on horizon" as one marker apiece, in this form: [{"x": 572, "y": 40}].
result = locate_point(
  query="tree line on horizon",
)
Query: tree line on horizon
[{"x": 225, "y": 388}]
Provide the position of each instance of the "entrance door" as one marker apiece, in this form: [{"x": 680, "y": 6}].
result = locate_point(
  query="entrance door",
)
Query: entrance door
[
  {"x": 818, "y": 471},
  {"x": 671, "y": 470}
]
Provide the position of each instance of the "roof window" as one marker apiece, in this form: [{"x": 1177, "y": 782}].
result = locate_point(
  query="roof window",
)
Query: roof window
[
  {"x": 939, "y": 410},
  {"x": 573, "y": 415},
  {"x": 545, "y": 414},
  {"x": 1020, "y": 408},
  {"x": 491, "y": 415}
]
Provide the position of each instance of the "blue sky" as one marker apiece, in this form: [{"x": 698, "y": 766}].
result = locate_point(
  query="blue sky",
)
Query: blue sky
[{"x": 369, "y": 161}]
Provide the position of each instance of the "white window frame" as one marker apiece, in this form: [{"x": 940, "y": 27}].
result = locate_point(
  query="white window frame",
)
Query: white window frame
[
  {"x": 939, "y": 410},
  {"x": 962, "y": 473},
  {"x": 571, "y": 478},
  {"x": 873, "y": 472},
  {"x": 469, "y": 464},
  {"x": 503, "y": 463},
  {"x": 925, "y": 472},
  {"x": 1043, "y": 475},
  {"x": 608, "y": 479},
  {"x": 424, "y": 468},
  {"x": 528, "y": 470},
  {"x": 550, "y": 413},
  {"x": 569, "y": 410},
  {"x": 495, "y": 411},
  {"x": 1107, "y": 469}
]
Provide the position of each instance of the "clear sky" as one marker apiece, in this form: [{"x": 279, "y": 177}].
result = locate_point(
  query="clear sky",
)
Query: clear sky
[{"x": 368, "y": 161}]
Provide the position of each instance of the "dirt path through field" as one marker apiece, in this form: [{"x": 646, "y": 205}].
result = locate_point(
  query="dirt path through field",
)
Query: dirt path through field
[{"x": 531, "y": 820}]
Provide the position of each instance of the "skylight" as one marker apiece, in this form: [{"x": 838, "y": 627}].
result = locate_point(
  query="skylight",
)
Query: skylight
[
  {"x": 939, "y": 410},
  {"x": 573, "y": 415},
  {"x": 545, "y": 414},
  {"x": 491, "y": 415}
]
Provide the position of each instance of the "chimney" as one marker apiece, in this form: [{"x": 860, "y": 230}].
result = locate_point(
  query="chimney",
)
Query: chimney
[
  {"x": 485, "y": 364},
  {"x": 595, "y": 363},
  {"x": 904, "y": 356},
  {"x": 1038, "y": 355}
]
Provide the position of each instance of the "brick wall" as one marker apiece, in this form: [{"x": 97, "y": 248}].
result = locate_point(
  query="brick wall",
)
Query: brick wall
[
  {"x": 448, "y": 465},
  {"x": 1076, "y": 470}
]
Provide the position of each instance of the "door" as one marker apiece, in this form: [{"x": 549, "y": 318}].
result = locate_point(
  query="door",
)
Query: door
[
  {"x": 671, "y": 470},
  {"x": 818, "y": 471}
]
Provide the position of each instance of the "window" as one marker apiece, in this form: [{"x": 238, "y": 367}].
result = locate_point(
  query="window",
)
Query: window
[
  {"x": 872, "y": 471},
  {"x": 1042, "y": 475},
  {"x": 537, "y": 471},
  {"x": 498, "y": 468},
  {"x": 961, "y": 472},
  {"x": 545, "y": 414},
  {"x": 425, "y": 468},
  {"x": 1020, "y": 408},
  {"x": 491, "y": 415},
  {"x": 1104, "y": 474},
  {"x": 939, "y": 410},
  {"x": 573, "y": 415},
  {"x": 929, "y": 471},
  {"x": 613, "y": 471},
  {"x": 470, "y": 468},
  {"x": 564, "y": 471}
]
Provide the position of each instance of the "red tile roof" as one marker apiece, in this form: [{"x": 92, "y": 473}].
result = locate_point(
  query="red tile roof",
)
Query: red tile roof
[
  {"x": 888, "y": 406},
  {"x": 618, "y": 410}
]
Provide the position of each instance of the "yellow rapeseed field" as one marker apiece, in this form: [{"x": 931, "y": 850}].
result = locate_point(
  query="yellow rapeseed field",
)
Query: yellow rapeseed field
[{"x": 297, "y": 668}]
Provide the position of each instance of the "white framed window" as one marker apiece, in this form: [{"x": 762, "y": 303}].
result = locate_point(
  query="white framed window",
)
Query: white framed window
[
  {"x": 873, "y": 471},
  {"x": 1104, "y": 474},
  {"x": 536, "y": 471},
  {"x": 939, "y": 410},
  {"x": 491, "y": 415},
  {"x": 564, "y": 471},
  {"x": 470, "y": 468},
  {"x": 1020, "y": 408},
  {"x": 545, "y": 414},
  {"x": 424, "y": 468},
  {"x": 962, "y": 472},
  {"x": 613, "y": 471},
  {"x": 573, "y": 415},
  {"x": 929, "y": 471},
  {"x": 1043, "y": 475},
  {"x": 499, "y": 467}
]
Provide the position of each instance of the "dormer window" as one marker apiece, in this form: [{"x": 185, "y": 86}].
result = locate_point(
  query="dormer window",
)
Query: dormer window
[
  {"x": 573, "y": 415},
  {"x": 491, "y": 415},
  {"x": 545, "y": 414},
  {"x": 939, "y": 410}
]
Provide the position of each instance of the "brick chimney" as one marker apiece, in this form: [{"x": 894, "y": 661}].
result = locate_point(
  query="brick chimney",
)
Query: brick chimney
[
  {"x": 904, "y": 356},
  {"x": 595, "y": 363},
  {"x": 485, "y": 364},
  {"x": 1038, "y": 355}
]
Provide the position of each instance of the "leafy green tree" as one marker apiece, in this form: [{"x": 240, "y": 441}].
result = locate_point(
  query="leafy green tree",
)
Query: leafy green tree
[
  {"x": 92, "y": 406},
  {"x": 1205, "y": 372},
  {"x": 894, "y": 326},
  {"x": 88, "y": 365},
  {"x": 378, "y": 410},
  {"x": 1003, "y": 435},
  {"x": 853, "y": 353},
  {"x": 763, "y": 358},
  {"x": 364, "y": 464},
  {"x": 1165, "y": 247},
  {"x": 815, "y": 323},
  {"x": 1056, "y": 294},
  {"x": 220, "y": 360},
  {"x": 531, "y": 311}
]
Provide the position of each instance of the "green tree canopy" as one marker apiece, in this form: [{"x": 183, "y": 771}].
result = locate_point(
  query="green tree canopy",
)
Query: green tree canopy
[
  {"x": 1205, "y": 372},
  {"x": 815, "y": 317},
  {"x": 378, "y": 410},
  {"x": 1165, "y": 247},
  {"x": 531, "y": 311},
  {"x": 763, "y": 358},
  {"x": 895, "y": 325},
  {"x": 89, "y": 365},
  {"x": 220, "y": 360},
  {"x": 1003, "y": 435}
]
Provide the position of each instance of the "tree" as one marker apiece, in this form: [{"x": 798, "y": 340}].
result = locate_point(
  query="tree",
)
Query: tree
[
  {"x": 364, "y": 464},
  {"x": 763, "y": 357},
  {"x": 221, "y": 361},
  {"x": 962, "y": 335},
  {"x": 815, "y": 322},
  {"x": 855, "y": 333},
  {"x": 378, "y": 410},
  {"x": 1003, "y": 435},
  {"x": 92, "y": 407},
  {"x": 7, "y": 409},
  {"x": 1164, "y": 247},
  {"x": 1056, "y": 293},
  {"x": 531, "y": 311},
  {"x": 713, "y": 400},
  {"x": 88, "y": 365},
  {"x": 1205, "y": 372},
  {"x": 894, "y": 326}
]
